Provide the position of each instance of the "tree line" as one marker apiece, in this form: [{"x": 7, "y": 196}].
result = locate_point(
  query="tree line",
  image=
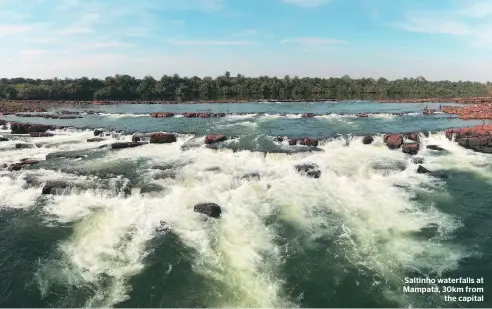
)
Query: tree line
[{"x": 177, "y": 88}]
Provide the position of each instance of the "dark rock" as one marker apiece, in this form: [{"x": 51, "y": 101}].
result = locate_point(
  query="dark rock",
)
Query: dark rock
[
  {"x": 65, "y": 155},
  {"x": 413, "y": 137},
  {"x": 423, "y": 170},
  {"x": 435, "y": 147},
  {"x": 23, "y": 146},
  {"x": 163, "y": 227},
  {"x": 279, "y": 139},
  {"x": 412, "y": 148},
  {"x": 212, "y": 169},
  {"x": 210, "y": 209},
  {"x": 250, "y": 176},
  {"x": 95, "y": 139},
  {"x": 292, "y": 141},
  {"x": 310, "y": 170},
  {"x": 418, "y": 160},
  {"x": 22, "y": 164},
  {"x": 3, "y": 139},
  {"x": 162, "y": 138},
  {"x": 393, "y": 141},
  {"x": 25, "y": 128},
  {"x": 307, "y": 115},
  {"x": 367, "y": 140},
  {"x": 212, "y": 139},
  {"x": 56, "y": 187},
  {"x": 98, "y": 132},
  {"x": 123, "y": 145},
  {"x": 309, "y": 142}
]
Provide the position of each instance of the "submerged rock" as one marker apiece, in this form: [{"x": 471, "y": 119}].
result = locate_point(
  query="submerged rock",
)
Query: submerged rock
[
  {"x": 250, "y": 176},
  {"x": 423, "y": 170},
  {"x": 23, "y": 146},
  {"x": 210, "y": 209},
  {"x": 418, "y": 160},
  {"x": 411, "y": 148},
  {"x": 122, "y": 145},
  {"x": 310, "y": 170},
  {"x": 367, "y": 140},
  {"x": 435, "y": 147},
  {"x": 41, "y": 134},
  {"x": 95, "y": 139}
]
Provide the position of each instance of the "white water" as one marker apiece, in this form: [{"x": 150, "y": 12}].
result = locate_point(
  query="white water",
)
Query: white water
[{"x": 111, "y": 234}]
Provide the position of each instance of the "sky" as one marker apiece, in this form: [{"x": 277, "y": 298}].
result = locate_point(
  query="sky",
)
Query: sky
[{"x": 436, "y": 39}]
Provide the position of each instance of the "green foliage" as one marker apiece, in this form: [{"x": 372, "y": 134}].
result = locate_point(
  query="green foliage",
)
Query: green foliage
[{"x": 176, "y": 88}]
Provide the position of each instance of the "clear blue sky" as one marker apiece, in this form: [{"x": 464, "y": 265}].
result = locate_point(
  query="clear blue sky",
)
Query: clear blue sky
[{"x": 438, "y": 39}]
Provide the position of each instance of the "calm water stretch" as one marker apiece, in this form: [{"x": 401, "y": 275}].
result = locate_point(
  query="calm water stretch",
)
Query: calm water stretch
[{"x": 346, "y": 239}]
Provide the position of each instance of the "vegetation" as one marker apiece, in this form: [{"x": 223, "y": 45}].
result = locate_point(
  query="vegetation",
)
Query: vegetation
[{"x": 125, "y": 87}]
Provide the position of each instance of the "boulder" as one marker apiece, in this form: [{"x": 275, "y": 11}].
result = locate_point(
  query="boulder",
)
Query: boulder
[
  {"x": 3, "y": 139},
  {"x": 279, "y": 139},
  {"x": 23, "y": 146},
  {"x": 422, "y": 170},
  {"x": 162, "y": 138},
  {"x": 418, "y": 160},
  {"x": 435, "y": 147},
  {"x": 310, "y": 170},
  {"x": 55, "y": 187},
  {"x": 210, "y": 209},
  {"x": 190, "y": 115},
  {"x": 307, "y": 115},
  {"x": 292, "y": 141},
  {"x": 25, "y": 128},
  {"x": 309, "y": 142},
  {"x": 367, "y": 140},
  {"x": 95, "y": 139},
  {"x": 219, "y": 115},
  {"x": 98, "y": 132},
  {"x": 41, "y": 134},
  {"x": 212, "y": 139},
  {"x": 393, "y": 141},
  {"x": 123, "y": 145},
  {"x": 411, "y": 148},
  {"x": 413, "y": 137}
]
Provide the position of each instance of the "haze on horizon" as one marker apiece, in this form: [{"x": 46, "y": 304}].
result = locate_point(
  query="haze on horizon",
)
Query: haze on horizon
[{"x": 440, "y": 40}]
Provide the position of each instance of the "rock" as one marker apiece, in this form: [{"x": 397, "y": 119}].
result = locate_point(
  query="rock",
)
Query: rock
[
  {"x": 393, "y": 141},
  {"x": 190, "y": 115},
  {"x": 292, "y": 141},
  {"x": 310, "y": 170},
  {"x": 56, "y": 187},
  {"x": 210, "y": 209},
  {"x": 435, "y": 147},
  {"x": 162, "y": 138},
  {"x": 98, "y": 132},
  {"x": 212, "y": 169},
  {"x": 65, "y": 155},
  {"x": 418, "y": 160},
  {"x": 219, "y": 115},
  {"x": 411, "y": 148},
  {"x": 309, "y": 142},
  {"x": 423, "y": 170},
  {"x": 307, "y": 115},
  {"x": 279, "y": 139},
  {"x": 367, "y": 140},
  {"x": 212, "y": 139},
  {"x": 362, "y": 115},
  {"x": 23, "y": 163},
  {"x": 23, "y": 146},
  {"x": 41, "y": 134},
  {"x": 25, "y": 128},
  {"x": 123, "y": 145},
  {"x": 3, "y": 139},
  {"x": 95, "y": 139},
  {"x": 413, "y": 137},
  {"x": 250, "y": 176}
]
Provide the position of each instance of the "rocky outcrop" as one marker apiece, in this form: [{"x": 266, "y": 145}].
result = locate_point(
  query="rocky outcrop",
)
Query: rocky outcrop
[
  {"x": 393, "y": 141},
  {"x": 216, "y": 138},
  {"x": 98, "y": 132},
  {"x": 310, "y": 170},
  {"x": 309, "y": 142},
  {"x": 292, "y": 141},
  {"x": 22, "y": 164},
  {"x": 412, "y": 136},
  {"x": 162, "y": 138},
  {"x": 476, "y": 138},
  {"x": 26, "y": 128},
  {"x": 366, "y": 140},
  {"x": 411, "y": 148},
  {"x": 122, "y": 145},
  {"x": 210, "y": 209},
  {"x": 3, "y": 139},
  {"x": 483, "y": 111}
]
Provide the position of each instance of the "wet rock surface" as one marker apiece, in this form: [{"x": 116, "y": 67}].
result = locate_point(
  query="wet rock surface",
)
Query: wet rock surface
[
  {"x": 309, "y": 169},
  {"x": 366, "y": 140},
  {"x": 210, "y": 209}
]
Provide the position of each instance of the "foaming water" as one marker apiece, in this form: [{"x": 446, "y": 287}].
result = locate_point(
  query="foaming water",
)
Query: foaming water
[{"x": 363, "y": 213}]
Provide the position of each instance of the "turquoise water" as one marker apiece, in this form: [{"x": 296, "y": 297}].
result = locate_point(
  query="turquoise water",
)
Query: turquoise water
[{"x": 346, "y": 239}]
